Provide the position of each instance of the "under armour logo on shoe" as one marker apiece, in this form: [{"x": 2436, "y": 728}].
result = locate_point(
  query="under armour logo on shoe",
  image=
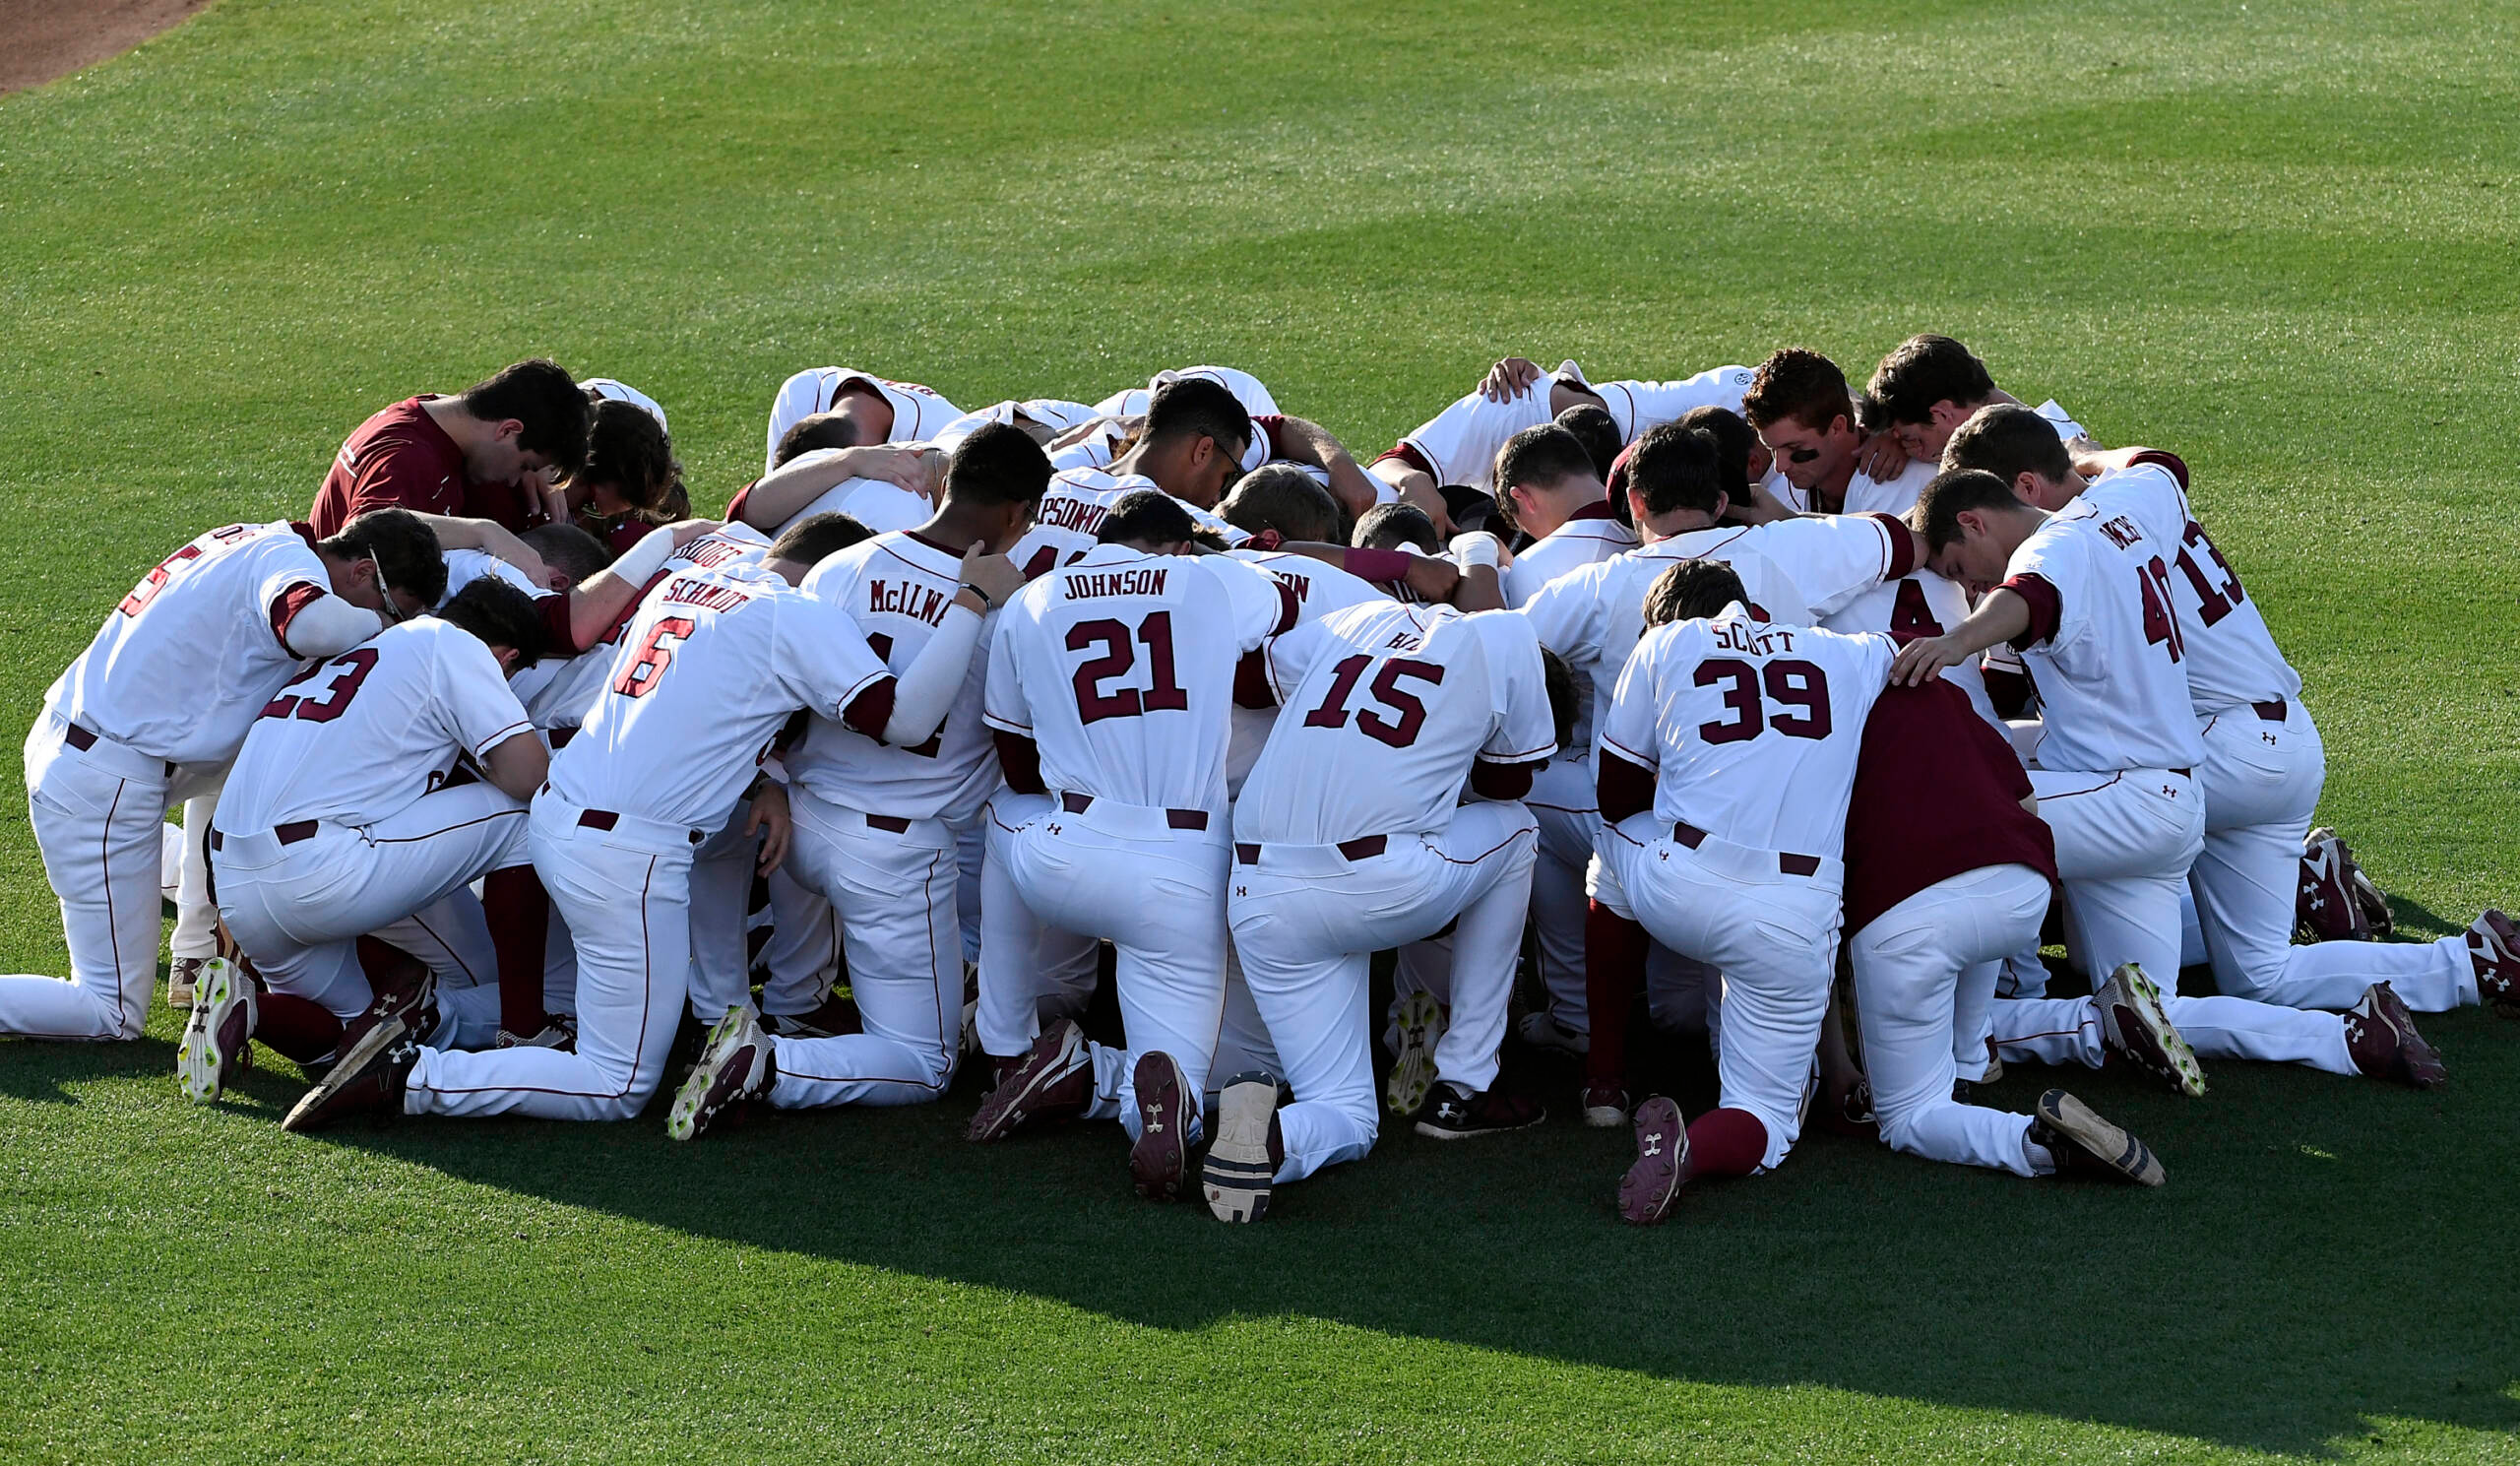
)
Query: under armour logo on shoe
[
  {"x": 1654, "y": 1143},
  {"x": 1155, "y": 1125}
]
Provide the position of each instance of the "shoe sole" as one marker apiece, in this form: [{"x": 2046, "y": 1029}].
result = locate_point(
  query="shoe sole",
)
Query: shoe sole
[
  {"x": 1413, "y": 1072},
  {"x": 2170, "y": 1060},
  {"x": 2099, "y": 1139},
  {"x": 2419, "y": 1065},
  {"x": 309, "y": 1113},
  {"x": 1548, "y": 1037},
  {"x": 1003, "y": 1112},
  {"x": 1653, "y": 1183},
  {"x": 206, "y": 1072},
  {"x": 1237, "y": 1174},
  {"x": 1605, "y": 1116},
  {"x": 1435, "y": 1132},
  {"x": 727, "y": 1065},
  {"x": 1159, "y": 1158}
]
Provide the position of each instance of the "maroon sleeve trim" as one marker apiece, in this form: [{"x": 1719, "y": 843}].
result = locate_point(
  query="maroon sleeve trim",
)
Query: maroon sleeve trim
[
  {"x": 554, "y": 611},
  {"x": 614, "y": 631},
  {"x": 871, "y": 709},
  {"x": 290, "y": 601},
  {"x": 1902, "y": 545},
  {"x": 306, "y": 531},
  {"x": 1289, "y": 610},
  {"x": 1407, "y": 451},
  {"x": 735, "y": 505},
  {"x": 1501, "y": 780},
  {"x": 1251, "y": 686},
  {"x": 2162, "y": 460},
  {"x": 1021, "y": 758},
  {"x": 2046, "y": 608},
  {"x": 1268, "y": 425},
  {"x": 1620, "y": 788}
]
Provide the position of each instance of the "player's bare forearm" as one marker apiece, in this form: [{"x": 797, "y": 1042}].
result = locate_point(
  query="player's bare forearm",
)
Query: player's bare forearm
[
  {"x": 2001, "y": 617},
  {"x": 1758, "y": 506},
  {"x": 1482, "y": 588},
  {"x": 769, "y": 817},
  {"x": 516, "y": 767},
  {"x": 777, "y": 495},
  {"x": 489, "y": 537}
]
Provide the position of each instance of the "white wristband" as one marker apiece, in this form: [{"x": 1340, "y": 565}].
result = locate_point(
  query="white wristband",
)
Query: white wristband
[
  {"x": 1477, "y": 548},
  {"x": 644, "y": 559}
]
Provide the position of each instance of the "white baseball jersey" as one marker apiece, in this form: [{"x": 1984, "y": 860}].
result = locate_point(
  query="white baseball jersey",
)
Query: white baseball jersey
[
  {"x": 733, "y": 543},
  {"x": 464, "y": 566},
  {"x": 2230, "y": 656},
  {"x": 359, "y": 737},
  {"x": 1751, "y": 729},
  {"x": 1917, "y": 604},
  {"x": 1072, "y": 512},
  {"x": 1592, "y": 536},
  {"x": 182, "y": 666},
  {"x": 1638, "y": 407},
  {"x": 1384, "y": 709},
  {"x": 919, "y": 413},
  {"x": 1120, "y": 667},
  {"x": 899, "y": 588},
  {"x": 560, "y": 692},
  {"x": 1320, "y": 587},
  {"x": 1791, "y": 571},
  {"x": 1246, "y": 389},
  {"x": 608, "y": 388},
  {"x": 1051, "y": 412},
  {"x": 2104, "y": 645},
  {"x": 1864, "y": 494},
  {"x": 1459, "y": 444},
  {"x": 879, "y": 504},
  {"x": 710, "y": 667}
]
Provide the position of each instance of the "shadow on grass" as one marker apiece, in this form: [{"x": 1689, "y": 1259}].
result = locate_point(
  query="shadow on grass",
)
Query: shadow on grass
[{"x": 2326, "y": 1250}]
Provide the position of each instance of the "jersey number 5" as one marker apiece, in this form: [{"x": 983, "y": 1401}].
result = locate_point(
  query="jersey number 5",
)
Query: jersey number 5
[
  {"x": 1792, "y": 681},
  {"x": 156, "y": 581},
  {"x": 1162, "y": 692},
  {"x": 638, "y": 676},
  {"x": 1333, "y": 712}
]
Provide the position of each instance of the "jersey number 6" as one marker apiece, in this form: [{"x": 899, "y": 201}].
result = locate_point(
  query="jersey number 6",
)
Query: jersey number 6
[{"x": 638, "y": 676}]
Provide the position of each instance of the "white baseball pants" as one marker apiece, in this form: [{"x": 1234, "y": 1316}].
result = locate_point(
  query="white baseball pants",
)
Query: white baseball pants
[
  {"x": 1030, "y": 972},
  {"x": 1772, "y": 935},
  {"x": 1123, "y": 873},
  {"x": 196, "y": 932},
  {"x": 97, "y": 814},
  {"x": 2261, "y": 779},
  {"x": 299, "y": 908},
  {"x": 1306, "y": 923},
  {"x": 802, "y": 955},
  {"x": 1909, "y": 965},
  {"x": 1562, "y": 801},
  {"x": 721, "y": 870},
  {"x": 625, "y": 892},
  {"x": 894, "y": 893}
]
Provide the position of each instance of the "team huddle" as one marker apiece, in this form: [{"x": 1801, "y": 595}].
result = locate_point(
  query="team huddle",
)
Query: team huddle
[{"x": 1749, "y": 707}]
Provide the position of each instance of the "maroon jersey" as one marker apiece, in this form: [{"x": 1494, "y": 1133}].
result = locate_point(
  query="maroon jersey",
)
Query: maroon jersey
[
  {"x": 1937, "y": 794},
  {"x": 401, "y": 458}
]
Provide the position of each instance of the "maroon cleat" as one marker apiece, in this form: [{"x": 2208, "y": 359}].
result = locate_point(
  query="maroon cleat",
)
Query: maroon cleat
[
  {"x": 1653, "y": 1183},
  {"x": 2381, "y": 1034},
  {"x": 2494, "y": 950},
  {"x": 1159, "y": 1160},
  {"x": 368, "y": 1079},
  {"x": 2328, "y": 905},
  {"x": 1053, "y": 1082}
]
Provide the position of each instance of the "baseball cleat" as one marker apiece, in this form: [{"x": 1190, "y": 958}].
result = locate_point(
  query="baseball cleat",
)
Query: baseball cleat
[
  {"x": 2381, "y": 1034},
  {"x": 414, "y": 1008},
  {"x": 2134, "y": 1028},
  {"x": 1452, "y": 1112},
  {"x": 2326, "y": 906},
  {"x": 2082, "y": 1141},
  {"x": 1543, "y": 1031},
  {"x": 1053, "y": 1082},
  {"x": 1604, "y": 1109},
  {"x": 836, "y": 1015},
  {"x": 1159, "y": 1158},
  {"x": 1419, "y": 1020},
  {"x": 183, "y": 981},
  {"x": 214, "y": 1049},
  {"x": 369, "y": 1078},
  {"x": 2493, "y": 951},
  {"x": 1653, "y": 1183},
  {"x": 2367, "y": 895},
  {"x": 1244, "y": 1156},
  {"x": 736, "y": 1063},
  {"x": 555, "y": 1032}
]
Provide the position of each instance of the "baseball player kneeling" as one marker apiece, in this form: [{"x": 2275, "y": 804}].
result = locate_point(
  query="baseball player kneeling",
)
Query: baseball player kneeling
[{"x": 1347, "y": 842}]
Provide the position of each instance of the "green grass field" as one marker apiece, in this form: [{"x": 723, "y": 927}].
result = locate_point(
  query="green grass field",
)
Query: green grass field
[{"x": 2280, "y": 237}]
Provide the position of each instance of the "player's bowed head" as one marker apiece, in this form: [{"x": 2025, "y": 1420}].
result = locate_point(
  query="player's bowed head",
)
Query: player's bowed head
[
  {"x": 1970, "y": 522},
  {"x": 386, "y": 561},
  {"x": 1692, "y": 590},
  {"x": 629, "y": 464},
  {"x": 1675, "y": 483},
  {"x": 1152, "y": 521},
  {"x": 1545, "y": 475},
  {"x": 2019, "y": 447},
  {"x": 529, "y": 422},
  {"x": 1926, "y": 389},
  {"x": 1196, "y": 432},
  {"x": 992, "y": 489}
]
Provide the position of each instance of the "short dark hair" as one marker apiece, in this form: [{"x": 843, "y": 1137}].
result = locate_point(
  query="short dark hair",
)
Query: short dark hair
[
  {"x": 500, "y": 614},
  {"x": 998, "y": 464},
  {"x": 1952, "y": 493},
  {"x": 1732, "y": 437},
  {"x": 1282, "y": 497},
  {"x": 1692, "y": 589},
  {"x": 1797, "y": 383},
  {"x": 578, "y": 553},
  {"x": 1925, "y": 371},
  {"x": 811, "y": 431},
  {"x": 547, "y": 400},
  {"x": 1563, "y": 700},
  {"x": 817, "y": 537},
  {"x": 1393, "y": 525},
  {"x": 1676, "y": 468},
  {"x": 1147, "y": 515},
  {"x": 1595, "y": 429},
  {"x": 405, "y": 546},
  {"x": 1540, "y": 457},
  {"x": 2008, "y": 440},
  {"x": 627, "y": 449},
  {"x": 1195, "y": 407}
]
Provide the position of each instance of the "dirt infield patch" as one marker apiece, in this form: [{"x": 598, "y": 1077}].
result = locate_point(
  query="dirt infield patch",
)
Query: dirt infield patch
[{"x": 47, "y": 38}]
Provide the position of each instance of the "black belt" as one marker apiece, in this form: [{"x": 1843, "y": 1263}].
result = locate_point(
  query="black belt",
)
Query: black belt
[
  {"x": 891, "y": 824},
  {"x": 288, "y": 834},
  {"x": 1076, "y": 804},
  {"x": 2271, "y": 711},
  {"x": 1363, "y": 847},
  {"x": 1691, "y": 836}
]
